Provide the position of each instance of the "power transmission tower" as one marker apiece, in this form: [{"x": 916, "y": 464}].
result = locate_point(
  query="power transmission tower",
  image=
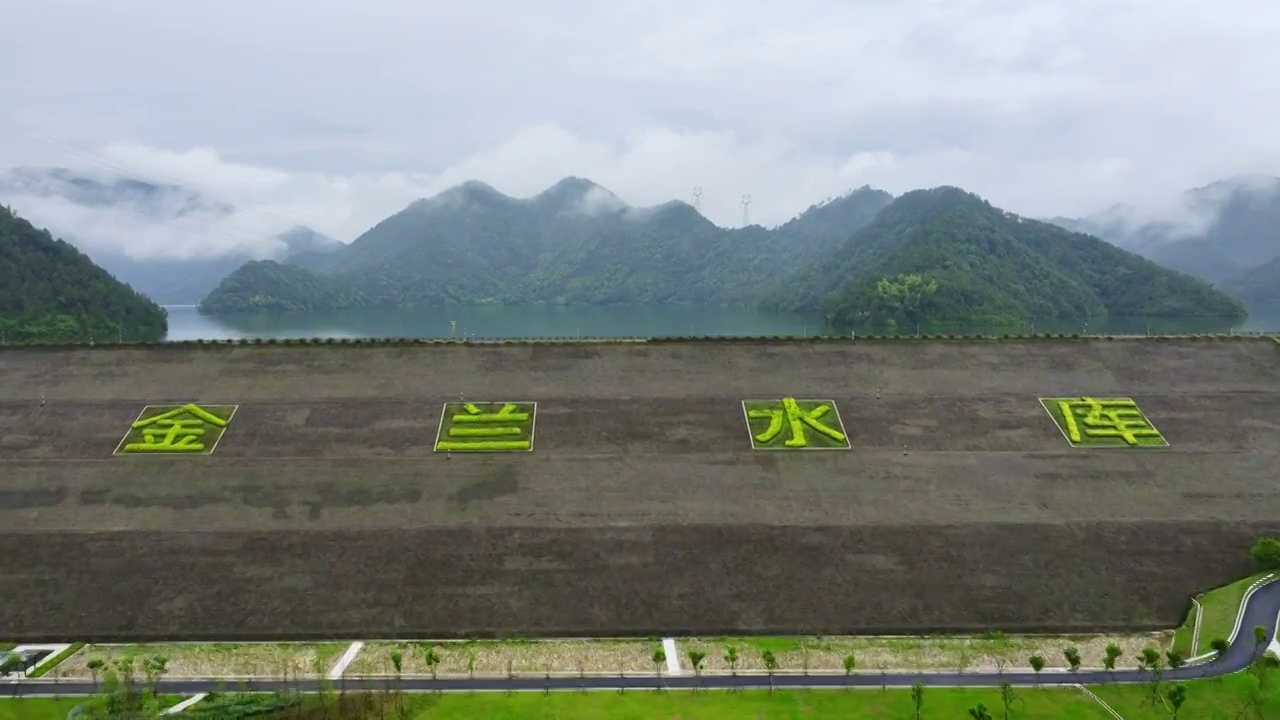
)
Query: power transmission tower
[
  {"x": 746, "y": 210},
  {"x": 697, "y": 198}
]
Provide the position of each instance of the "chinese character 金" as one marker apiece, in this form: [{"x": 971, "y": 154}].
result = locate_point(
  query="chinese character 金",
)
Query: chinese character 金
[{"x": 178, "y": 430}]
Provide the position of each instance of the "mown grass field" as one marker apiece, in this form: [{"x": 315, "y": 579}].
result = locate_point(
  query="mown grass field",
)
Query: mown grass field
[
  {"x": 753, "y": 705},
  {"x": 325, "y": 511}
]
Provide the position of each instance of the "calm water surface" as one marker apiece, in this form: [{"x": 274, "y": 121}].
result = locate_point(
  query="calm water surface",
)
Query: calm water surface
[
  {"x": 493, "y": 322},
  {"x": 538, "y": 321}
]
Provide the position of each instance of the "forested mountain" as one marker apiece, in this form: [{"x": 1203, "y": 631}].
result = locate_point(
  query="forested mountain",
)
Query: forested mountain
[
  {"x": 574, "y": 243},
  {"x": 864, "y": 259},
  {"x": 51, "y": 291},
  {"x": 1224, "y": 233},
  {"x": 945, "y": 255}
]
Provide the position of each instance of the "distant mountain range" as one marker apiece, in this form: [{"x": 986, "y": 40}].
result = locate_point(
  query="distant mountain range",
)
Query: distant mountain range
[
  {"x": 167, "y": 281},
  {"x": 861, "y": 258},
  {"x": 865, "y": 258},
  {"x": 1226, "y": 233}
]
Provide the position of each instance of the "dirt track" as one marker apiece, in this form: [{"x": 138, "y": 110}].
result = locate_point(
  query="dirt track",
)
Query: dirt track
[{"x": 642, "y": 509}]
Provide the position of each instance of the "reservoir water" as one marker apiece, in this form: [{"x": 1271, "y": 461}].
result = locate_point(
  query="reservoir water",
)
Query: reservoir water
[{"x": 544, "y": 321}]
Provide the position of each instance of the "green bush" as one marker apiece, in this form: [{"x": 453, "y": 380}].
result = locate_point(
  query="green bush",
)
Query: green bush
[
  {"x": 238, "y": 706},
  {"x": 1266, "y": 554}
]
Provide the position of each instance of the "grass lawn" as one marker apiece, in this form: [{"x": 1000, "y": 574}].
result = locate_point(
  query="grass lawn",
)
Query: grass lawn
[
  {"x": 720, "y": 705},
  {"x": 37, "y": 708},
  {"x": 1182, "y": 636},
  {"x": 55, "y": 708},
  {"x": 1219, "y": 699},
  {"x": 1221, "y": 606}
]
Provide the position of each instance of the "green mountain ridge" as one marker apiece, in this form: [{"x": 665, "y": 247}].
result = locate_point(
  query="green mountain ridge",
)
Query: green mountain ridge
[
  {"x": 864, "y": 258},
  {"x": 945, "y": 255},
  {"x": 50, "y": 291},
  {"x": 574, "y": 243}
]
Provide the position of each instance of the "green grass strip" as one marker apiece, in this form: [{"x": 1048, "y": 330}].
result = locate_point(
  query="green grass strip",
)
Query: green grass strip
[
  {"x": 1221, "y": 607},
  {"x": 484, "y": 445},
  {"x": 56, "y": 661},
  {"x": 483, "y": 431}
]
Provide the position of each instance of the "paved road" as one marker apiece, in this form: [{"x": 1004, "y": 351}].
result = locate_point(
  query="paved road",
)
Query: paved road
[{"x": 1263, "y": 610}]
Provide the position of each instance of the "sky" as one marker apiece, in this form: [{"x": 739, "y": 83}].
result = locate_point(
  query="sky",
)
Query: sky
[{"x": 335, "y": 114}]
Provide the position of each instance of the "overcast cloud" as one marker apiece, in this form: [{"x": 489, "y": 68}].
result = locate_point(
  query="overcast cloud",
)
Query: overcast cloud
[{"x": 335, "y": 114}]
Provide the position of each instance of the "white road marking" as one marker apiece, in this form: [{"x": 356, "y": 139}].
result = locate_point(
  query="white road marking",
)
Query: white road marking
[
  {"x": 340, "y": 667},
  {"x": 1100, "y": 701},
  {"x": 673, "y": 656},
  {"x": 185, "y": 704},
  {"x": 1195, "y": 629}
]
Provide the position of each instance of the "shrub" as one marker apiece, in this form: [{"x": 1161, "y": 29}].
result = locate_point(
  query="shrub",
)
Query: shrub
[{"x": 1266, "y": 554}]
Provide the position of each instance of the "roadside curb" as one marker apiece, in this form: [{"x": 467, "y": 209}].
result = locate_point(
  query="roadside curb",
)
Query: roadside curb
[{"x": 1195, "y": 629}]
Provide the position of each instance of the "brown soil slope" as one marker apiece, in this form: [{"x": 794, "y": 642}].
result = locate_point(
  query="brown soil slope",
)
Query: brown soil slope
[{"x": 324, "y": 511}]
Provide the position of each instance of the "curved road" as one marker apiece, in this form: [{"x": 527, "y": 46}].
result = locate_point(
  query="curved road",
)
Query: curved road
[{"x": 1262, "y": 609}]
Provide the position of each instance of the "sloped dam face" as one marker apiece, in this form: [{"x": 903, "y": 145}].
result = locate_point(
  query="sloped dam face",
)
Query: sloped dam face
[{"x": 630, "y": 488}]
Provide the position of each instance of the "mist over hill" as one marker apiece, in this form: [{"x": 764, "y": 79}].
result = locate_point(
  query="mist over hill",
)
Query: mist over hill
[
  {"x": 1226, "y": 233},
  {"x": 862, "y": 258},
  {"x": 172, "y": 243},
  {"x": 576, "y": 242}
]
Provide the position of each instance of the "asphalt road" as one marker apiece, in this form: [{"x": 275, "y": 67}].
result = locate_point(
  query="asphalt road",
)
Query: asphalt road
[{"x": 1263, "y": 609}]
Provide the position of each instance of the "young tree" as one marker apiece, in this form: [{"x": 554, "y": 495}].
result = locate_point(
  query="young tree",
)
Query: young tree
[
  {"x": 695, "y": 659},
  {"x": 1259, "y": 636},
  {"x": 431, "y": 658},
  {"x": 1110, "y": 657},
  {"x": 154, "y": 668},
  {"x": 1266, "y": 554},
  {"x": 1007, "y": 698},
  {"x": 1177, "y": 696},
  {"x": 770, "y": 664},
  {"x": 1151, "y": 661},
  {"x": 731, "y": 658},
  {"x": 95, "y": 666},
  {"x": 850, "y": 662},
  {"x": 1175, "y": 659},
  {"x": 917, "y": 698},
  {"x": 397, "y": 662},
  {"x": 1072, "y": 656},
  {"x": 1037, "y": 664},
  {"x": 659, "y": 659},
  {"x": 1219, "y": 647}
]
